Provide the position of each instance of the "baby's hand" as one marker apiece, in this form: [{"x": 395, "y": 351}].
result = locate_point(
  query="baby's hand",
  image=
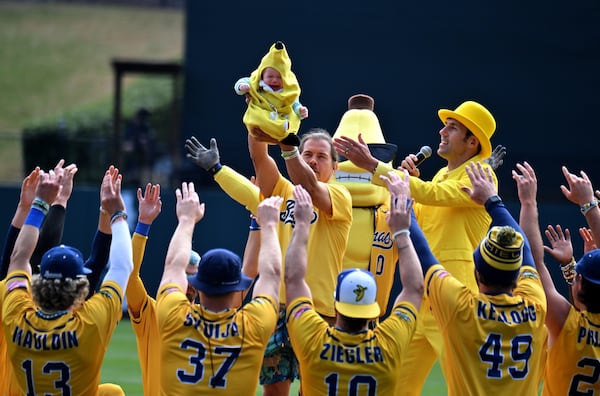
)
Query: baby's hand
[
  {"x": 244, "y": 87},
  {"x": 303, "y": 112}
]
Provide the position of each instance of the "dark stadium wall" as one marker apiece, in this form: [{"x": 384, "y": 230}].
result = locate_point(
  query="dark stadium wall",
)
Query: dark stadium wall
[{"x": 533, "y": 64}]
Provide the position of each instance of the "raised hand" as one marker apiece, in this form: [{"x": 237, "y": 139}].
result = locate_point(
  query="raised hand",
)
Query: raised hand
[
  {"x": 526, "y": 183},
  {"x": 560, "y": 247},
  {"x": 588, "y": 239},
  {"x": 188, "y": 203},
  {"x": 28, "y": 188},
  {"x": 68, "y": 174},
  {"x": 149, "y": 204},
  {"x": 110, "y": 191},
  {"x": 396, "y": 184},
  {"x": 203, "y": 157},
  {"x": 580, "y": 190},
  {"x": 496, "y": 159},
  {"x": 303, "y": 211},
  {"x": 482, "y": 181},
  {"x": 48, "y": 186},
  {"x": 268, "y": 211}
]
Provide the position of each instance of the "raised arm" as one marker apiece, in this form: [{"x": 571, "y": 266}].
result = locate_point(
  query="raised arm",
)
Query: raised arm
[
  {"x": 237, "y": 186},
  {"x": 51, "y": 232},
  {"x": 28, "y": 187},
  {"x": 581, "y": 193},
  {"x": 265, "y": 167},
  {"x": 485, "y": 192},
  {"x": 296, "y": 259},
  {"x": 269, "y": 256},
  {"x": 298, "y": 166},
  {"x": 120, "y": 255},
  {"x": 46, "y": 190},
  {"x": 149, "y": 207},
  {"x": 558, "y": 306},
  {"x": 399, "y": 220},
  {"x": 189, "y": 211}
]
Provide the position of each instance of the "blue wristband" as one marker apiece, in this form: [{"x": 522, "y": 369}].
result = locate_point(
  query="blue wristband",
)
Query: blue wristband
[
  {"x": 142, "y": 228},
  {"x": 35, "y": 217},
  {"x": 254, "y": 226},
  {"x": 215, "y": 168}
]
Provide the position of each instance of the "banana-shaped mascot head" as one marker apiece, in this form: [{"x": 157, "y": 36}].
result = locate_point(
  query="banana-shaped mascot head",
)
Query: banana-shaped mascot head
[{"x": 360, "y": 118}]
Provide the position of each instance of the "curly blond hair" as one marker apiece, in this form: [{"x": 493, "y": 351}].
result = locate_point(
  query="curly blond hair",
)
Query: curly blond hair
[{"x": 59, "y": 294}]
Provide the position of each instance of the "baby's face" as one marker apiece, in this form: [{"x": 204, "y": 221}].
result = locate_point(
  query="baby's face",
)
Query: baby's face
[{"x": 272, "y": 78}]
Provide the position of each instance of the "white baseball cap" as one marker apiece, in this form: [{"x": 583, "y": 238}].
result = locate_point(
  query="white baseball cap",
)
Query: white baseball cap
[{"x": 356, "y": 294}]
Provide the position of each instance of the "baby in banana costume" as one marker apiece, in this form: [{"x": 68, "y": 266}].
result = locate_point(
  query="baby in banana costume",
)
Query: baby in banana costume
[
  {"x": 370, "y": 245},
  {"x": 273, "y": 93}
]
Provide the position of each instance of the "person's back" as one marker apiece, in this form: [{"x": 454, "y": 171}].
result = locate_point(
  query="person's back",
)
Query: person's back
[
  {"x": 213, "y": 347},
  {"x": 498, "y": 339},
  {"x": 494, "y": 338},
  {"x": 55, "y": 340},
  {"x": 211, "y": 343},
  {"x": 573, "y": 326},
  {"x": 350, "y": 358}
]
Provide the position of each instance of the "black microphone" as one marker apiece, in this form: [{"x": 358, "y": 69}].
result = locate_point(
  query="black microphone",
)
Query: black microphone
[{"x": 422, "y": 155}]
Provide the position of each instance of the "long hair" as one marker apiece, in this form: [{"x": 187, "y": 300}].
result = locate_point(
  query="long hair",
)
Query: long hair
[{"x": 59, "y": 294}]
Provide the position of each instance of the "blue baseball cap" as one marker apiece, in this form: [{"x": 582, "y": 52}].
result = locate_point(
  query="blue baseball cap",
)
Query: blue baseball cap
[
  {"x": 220, "y": 272},
  {"x": 63, "y": 262},
  {"x": 589, "y": 266}
]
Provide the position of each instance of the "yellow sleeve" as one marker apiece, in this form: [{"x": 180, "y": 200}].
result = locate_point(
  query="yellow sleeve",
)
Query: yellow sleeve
[
  {"x": 239, "y": 188},
  {"x": 136, "y": 291}
]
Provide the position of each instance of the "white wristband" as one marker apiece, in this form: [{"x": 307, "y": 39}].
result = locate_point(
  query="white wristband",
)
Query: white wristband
[{"x": 400, "y": 232}]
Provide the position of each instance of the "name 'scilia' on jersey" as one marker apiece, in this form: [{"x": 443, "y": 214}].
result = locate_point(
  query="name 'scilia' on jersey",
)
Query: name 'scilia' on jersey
[{"x": 45, "y": 341}]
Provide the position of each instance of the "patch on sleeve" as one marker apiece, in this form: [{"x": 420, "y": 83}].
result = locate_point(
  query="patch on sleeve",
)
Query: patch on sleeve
[
  {"x": 298, "y": 312},
  {"x": 442, "y": 274},
  {"x": 16, "y": 284},
  {"x": 171, "y": 290},
  {"x": 529, "y": 274},
  {"x": 402, "y": 315}
]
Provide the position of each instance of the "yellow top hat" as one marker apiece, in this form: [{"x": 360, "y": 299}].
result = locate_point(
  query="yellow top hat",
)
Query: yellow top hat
[{"x": 477, "y": 119}]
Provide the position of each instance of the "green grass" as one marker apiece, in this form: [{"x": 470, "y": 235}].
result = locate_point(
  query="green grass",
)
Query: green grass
[
  {"x": 121, "y": 366},
  {"x": 57, "y": 57}
]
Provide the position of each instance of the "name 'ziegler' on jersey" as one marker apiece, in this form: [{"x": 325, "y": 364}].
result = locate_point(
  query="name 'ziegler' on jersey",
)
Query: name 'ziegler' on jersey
[{"x": 354, "y": 354}]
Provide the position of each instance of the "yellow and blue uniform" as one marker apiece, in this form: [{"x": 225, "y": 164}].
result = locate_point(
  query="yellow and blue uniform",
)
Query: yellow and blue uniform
[
  {"x": 8, "y": 384},
  {"x": 493, "y": 343},
  {"x": 499, "y": 340},
  {"x": 453, "y": 225},
  {"x": 204, "y": 352},
  {"x": 334, "y": 362},
  {"x": 573, "y": 364},
  {"x": 61, "y": 352}
]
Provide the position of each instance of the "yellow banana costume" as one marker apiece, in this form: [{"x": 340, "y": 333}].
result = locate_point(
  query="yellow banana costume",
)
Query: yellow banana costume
[
  {"x": 370, "y": 245},
  {"x": 275, "y": 113}
]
